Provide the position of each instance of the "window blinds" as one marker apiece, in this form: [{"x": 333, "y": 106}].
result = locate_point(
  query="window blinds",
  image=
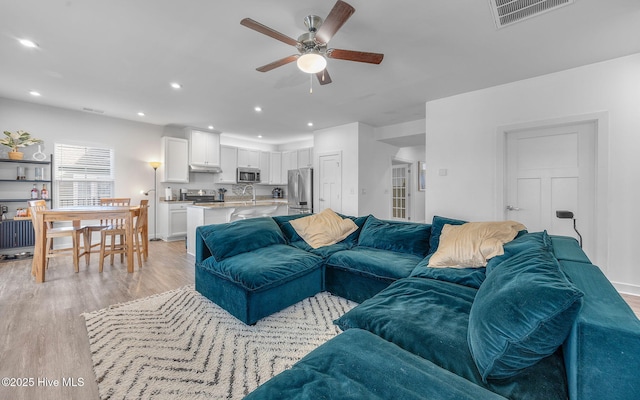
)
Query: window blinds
[{"x": 83, "y": 175}]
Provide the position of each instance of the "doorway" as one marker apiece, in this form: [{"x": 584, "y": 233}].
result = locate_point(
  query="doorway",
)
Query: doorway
[{"x": 552, "y": 168}]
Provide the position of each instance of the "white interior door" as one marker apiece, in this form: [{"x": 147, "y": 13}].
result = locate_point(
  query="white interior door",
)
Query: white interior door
[
  {"x": 330, "y": 182},
  {"x": 551, "y": 169}
]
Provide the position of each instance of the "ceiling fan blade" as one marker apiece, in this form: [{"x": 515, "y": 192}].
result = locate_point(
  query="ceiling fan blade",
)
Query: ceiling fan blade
[
  {"x": 278, "y": 63},
  {"x": 338, "y": 15},
  {"x": 323, "y": 77},
  {"x": 265, "y": 30},
  {"x": 360, "y": 56}
]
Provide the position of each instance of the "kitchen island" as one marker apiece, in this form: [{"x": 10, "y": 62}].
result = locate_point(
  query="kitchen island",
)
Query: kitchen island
[{"x": 219, "y": 213}]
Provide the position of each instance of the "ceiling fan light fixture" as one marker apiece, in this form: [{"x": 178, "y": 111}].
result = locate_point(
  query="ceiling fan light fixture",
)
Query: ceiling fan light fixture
[{"x": 311, "y": 63}]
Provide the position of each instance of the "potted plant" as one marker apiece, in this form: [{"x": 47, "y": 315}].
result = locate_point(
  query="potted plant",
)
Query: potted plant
[{"x": 17, "y": 139}]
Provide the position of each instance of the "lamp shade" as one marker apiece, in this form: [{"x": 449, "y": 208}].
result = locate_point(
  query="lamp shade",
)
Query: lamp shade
[
  {"x": 311, "y": 63},
  {"x": 155, "y": 164}
]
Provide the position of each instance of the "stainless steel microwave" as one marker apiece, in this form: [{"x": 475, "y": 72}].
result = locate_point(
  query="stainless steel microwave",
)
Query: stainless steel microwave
[{"x": 247, "y": 175}]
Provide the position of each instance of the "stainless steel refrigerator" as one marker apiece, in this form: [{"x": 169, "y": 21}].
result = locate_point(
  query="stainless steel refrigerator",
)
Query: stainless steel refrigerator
[{"x": 300, "y": 190}]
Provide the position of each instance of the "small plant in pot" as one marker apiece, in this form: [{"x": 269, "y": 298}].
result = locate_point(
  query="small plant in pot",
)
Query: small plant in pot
[{"x": 15, "y": 140}]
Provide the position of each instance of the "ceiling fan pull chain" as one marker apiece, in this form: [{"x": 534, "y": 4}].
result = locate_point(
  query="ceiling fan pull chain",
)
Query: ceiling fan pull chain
[{"x": 310, "y": 83}]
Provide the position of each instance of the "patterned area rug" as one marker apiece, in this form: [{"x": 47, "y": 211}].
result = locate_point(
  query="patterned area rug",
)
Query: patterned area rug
[{"x": 180, "y": 345}]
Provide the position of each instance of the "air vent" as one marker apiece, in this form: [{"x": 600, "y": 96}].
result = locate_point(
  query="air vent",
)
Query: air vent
[
  {"x": 507, "y": 12},
  {"x": 92, "y": 110}
]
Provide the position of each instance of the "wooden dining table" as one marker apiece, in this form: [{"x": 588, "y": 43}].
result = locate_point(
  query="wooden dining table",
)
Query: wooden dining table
[{"x": 77, "y": 214}]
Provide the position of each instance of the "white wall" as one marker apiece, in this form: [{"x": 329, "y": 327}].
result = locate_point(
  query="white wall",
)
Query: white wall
[
  {"x": 135, "y": 144},
  {"x": 340, "y": 139},
  {"x": 374, "y": 174},
  {"x": 462, "y": 138}
]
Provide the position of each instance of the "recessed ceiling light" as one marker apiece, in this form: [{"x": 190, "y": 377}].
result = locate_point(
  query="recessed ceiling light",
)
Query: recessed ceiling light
[
  {"x": 176, "y": 85},
  {"x": 257, "y": 108},
  {"x": 309, "y": 123},
  {"x": 210, "y": 127},
  {"x": 259, "y": 136},
  {"x": 141, "y": 114},
  {"x": 35, "y": 93},
  {"x": 28, "y": 43}
]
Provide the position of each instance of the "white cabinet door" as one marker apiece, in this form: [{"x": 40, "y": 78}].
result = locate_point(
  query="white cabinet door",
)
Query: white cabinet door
[
  {"x": 275, "y": 168},
  {"x": 289, "y": 161},
  {"x": 178, "y": 221},
  {"x": 248, "y": 158},
  {"x": 228, "y": 164},
  {"x": 172, "y": 221},
  {"x": 175, "y": 154},
  {"x": 265, "y": 167},
  {"x": 204, "y": 148},
  {"x": 305, "y": 157}
]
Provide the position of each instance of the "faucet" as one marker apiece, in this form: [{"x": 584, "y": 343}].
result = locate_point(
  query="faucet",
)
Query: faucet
[{"x": 253, "y": 192}]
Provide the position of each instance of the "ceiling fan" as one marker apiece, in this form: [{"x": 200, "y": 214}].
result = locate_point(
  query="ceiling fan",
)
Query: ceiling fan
[{"x": 312, "y": 45}]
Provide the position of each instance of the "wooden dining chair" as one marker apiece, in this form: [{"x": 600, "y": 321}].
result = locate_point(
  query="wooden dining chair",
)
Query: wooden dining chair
[
  {"x": 110, "y": 245},
  {"x": 104, "y": 223},
  {"x": 75, "y": 233}
]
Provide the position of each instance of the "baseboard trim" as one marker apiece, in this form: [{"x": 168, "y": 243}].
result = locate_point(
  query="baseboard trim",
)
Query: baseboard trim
[{"x": 626, "y": 288}]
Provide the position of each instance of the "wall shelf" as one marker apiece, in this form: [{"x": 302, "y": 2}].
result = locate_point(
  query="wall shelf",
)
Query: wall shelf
[{"x": 18, "y": 232}]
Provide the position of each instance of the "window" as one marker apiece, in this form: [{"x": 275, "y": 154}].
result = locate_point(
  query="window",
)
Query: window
[{"x": 82, "y": 175}]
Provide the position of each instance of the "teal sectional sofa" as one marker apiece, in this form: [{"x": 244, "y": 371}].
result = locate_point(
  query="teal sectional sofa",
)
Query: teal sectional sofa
[{"x": 538, "y": 322}]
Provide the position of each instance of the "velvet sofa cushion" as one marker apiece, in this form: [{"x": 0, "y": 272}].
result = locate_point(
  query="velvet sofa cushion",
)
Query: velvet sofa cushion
[
  {"x": 437, "y": 223},
  {"x": 470, "y": 277},
  {"x": 325, "y": 251},
  {"x": 358, "y": 365},
  {"x": 472, "y": 244},
  {"x": 323, "y": 229},
  {"x": 264, "y": 267},
  {"x": 522, "y": 313},
  {"x": 430, "y": 318},
  {"x": 228, "y": 240},
  {"x": 523, "y": 242},
  {"x": 284, "y": 222},
  {"x": 374, "y": 263},
  {"x": 397, "y": 236}
]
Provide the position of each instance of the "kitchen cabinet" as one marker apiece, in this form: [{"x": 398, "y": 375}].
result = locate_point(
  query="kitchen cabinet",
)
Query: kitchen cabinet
[
  {"x": 228, "y": 164},
  {"x": 172, "y": 220},
  {"x": 305, "y": 157},
  {"x": 265, "y": 167},
  {"x": 289, "y": 161},
  {"x": 248, "y": 158},
  {"x": 204, "y": 149},
  {"x": 175, "y": 157},
  {"x": 275, "y": 169}
]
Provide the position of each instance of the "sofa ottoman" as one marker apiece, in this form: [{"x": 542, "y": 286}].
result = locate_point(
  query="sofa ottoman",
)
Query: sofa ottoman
[{"x": 247, "y": 269}]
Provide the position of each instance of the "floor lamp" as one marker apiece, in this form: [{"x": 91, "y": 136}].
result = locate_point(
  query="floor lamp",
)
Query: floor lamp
[{"x": 155, "y": 165}]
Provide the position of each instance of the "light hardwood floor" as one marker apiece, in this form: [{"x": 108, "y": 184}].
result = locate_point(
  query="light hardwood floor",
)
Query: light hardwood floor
[{"x": 43, "y": 335}]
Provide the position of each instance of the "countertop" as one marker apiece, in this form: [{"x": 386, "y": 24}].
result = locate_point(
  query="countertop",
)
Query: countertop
[{"x": 228, "y": 204}]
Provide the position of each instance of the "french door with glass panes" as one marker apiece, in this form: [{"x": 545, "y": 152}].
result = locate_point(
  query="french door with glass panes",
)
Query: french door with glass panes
[{"x": 400, "y": 192}]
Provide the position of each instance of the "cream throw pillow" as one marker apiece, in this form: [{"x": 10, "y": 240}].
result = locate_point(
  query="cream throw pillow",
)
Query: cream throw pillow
[
  {"x": 473, "y": 243},
  {"x": 323, "y": 229}
]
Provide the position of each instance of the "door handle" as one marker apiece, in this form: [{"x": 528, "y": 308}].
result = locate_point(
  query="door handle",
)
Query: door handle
[
  {"x": 321, "y": 199},
  {"x": 512, "y": 208}
]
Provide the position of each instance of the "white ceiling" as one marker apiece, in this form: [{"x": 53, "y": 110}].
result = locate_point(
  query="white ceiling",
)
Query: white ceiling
[{"x": 119, "y": 56}]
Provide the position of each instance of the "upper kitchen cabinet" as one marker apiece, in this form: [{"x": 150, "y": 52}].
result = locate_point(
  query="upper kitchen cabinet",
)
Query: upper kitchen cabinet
[
  {"x": 175, "y": 153},
  {"x": 204, "y": 151},
  {"x": 248, "y": 158},
  {"x": 305, "y": 158},
  {"x": 289, "y": 160},
  {"x": 228, "y": 163},
  {"x": 265, "y": 166}
]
